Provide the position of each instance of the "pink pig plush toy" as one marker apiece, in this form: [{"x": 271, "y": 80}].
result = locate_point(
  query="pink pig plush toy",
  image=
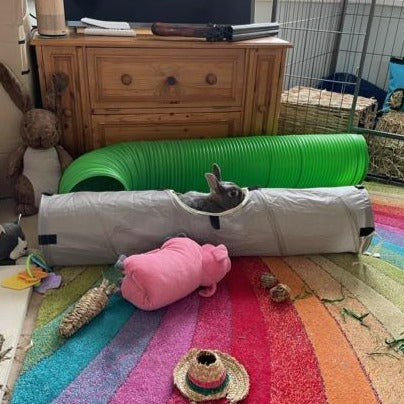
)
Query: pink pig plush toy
[{"x": 160, "y": 277}]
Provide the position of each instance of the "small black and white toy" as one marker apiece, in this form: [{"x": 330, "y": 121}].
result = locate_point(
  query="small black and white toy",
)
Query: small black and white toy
[{"x": 13, "y": 244}]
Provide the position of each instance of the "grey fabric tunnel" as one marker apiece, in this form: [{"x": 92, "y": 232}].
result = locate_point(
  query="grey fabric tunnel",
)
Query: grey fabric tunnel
[{"x": 96, "y": 227}]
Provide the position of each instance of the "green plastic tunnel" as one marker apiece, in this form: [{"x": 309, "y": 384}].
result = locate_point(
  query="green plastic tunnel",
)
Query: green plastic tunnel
[{"x": 293, "y": 161}]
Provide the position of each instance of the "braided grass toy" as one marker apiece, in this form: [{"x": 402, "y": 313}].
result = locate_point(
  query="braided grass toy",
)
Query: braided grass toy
[{"x": 89, "y": 306}]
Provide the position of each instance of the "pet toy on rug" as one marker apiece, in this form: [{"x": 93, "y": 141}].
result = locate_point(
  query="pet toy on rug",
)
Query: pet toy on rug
[
  {"x": 203, "y": 375},
  {"x": 36, "y": 166},
  {"x": 92, "y": 303},
  {"x": 167, "y": 274}
]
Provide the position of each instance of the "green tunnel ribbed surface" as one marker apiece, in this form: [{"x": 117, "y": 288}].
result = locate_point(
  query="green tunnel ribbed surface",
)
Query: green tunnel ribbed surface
[{"x": 294, "y": 161}]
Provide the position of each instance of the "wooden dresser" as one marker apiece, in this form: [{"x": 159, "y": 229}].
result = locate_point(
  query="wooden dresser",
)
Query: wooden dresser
[{"x": 148, "y": 87}]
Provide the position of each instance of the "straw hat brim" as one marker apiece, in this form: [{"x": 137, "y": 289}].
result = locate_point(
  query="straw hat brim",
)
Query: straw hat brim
[{"x": 236, "y": 389}]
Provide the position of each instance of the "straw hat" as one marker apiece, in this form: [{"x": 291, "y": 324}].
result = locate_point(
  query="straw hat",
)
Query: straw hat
[{"x": 203, "y": 375}]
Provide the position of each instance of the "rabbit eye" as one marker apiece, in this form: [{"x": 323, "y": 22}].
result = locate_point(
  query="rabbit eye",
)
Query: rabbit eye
[{"x": 233, "y": 193}]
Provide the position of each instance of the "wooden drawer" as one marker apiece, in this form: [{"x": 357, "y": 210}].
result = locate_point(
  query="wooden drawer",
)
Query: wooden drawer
[
  {"x": 146, "y": 78},
  {"x": 109, "y": 129}
]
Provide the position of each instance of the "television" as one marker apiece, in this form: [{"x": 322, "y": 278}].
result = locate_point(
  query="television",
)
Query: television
[{"x": 145, "y": 12}]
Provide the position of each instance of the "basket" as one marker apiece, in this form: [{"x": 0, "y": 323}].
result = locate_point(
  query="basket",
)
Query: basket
[{"x": 311, "y": 110}]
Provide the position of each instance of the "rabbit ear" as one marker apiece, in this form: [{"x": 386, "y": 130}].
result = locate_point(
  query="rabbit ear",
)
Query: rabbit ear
[
  {"x": 213, "y": 183},
  {"x": 17, "y": 221},
  {"x": 14, "y": 89},
  {"x": 57, "y": 85},
  {"x": 216, "y": 171}
]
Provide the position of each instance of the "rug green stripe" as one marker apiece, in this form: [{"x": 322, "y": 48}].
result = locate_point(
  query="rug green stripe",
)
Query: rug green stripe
[
  {"x": 385, "y": 267},
  {"x": 55, "y": 304},
  {"x": 377, "y": 280},
  {"x": 47, "y": 341},
  {"x": 46, "y": 336},
  {"x": 69, "y": 274}
]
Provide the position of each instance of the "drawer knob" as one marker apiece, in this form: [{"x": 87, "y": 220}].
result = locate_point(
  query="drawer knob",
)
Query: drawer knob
[
  {"x": 67, "y": 113},
  {"x": 211, "y": 79},
  {"x": 126, "y": 79},
  {"x": 171, "y": 80}
]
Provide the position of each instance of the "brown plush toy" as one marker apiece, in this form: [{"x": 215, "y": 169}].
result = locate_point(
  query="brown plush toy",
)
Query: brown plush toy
[{"x": 36, "y": 166}]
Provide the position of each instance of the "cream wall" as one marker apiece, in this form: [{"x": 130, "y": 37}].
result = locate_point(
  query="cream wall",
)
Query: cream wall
[{"x": 14, "y": 26}]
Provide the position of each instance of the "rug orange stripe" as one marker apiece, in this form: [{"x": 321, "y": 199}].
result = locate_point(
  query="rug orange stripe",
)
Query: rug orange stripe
[{"x": 344, "y": 379}]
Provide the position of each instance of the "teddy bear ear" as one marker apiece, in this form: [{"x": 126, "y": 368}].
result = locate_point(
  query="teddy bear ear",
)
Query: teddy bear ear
[{"x": 14, "y": 89}]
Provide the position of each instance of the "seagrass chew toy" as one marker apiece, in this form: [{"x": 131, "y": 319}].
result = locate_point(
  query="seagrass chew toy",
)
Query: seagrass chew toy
[{"x": 89, "y": 306}]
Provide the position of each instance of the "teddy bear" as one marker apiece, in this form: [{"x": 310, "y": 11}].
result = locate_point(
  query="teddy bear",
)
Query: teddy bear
[
  {"x": 167, "y": 274},
  {"x": 36, "y": 166}
]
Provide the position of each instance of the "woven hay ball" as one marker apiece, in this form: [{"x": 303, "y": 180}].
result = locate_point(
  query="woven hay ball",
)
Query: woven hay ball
[
  {"x": 280, "y": 293},
  {"x": 268, "y": 280}
]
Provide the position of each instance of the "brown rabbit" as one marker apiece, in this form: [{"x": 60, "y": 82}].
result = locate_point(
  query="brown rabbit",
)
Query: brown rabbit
[
  {"x": 223, "y": 195},
  {"x": 36, "y": 166}
]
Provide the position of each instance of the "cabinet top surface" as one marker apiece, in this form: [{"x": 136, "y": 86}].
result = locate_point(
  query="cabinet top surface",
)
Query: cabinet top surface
[{"x": 144, "y": 38}]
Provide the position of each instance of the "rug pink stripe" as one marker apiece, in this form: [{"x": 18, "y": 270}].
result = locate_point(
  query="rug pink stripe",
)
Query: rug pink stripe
[
  {"x": 151, "y": 381},
  {"x": 389, "y": 220},
  {"x": 394, "y": 211},
  {"x": 250, "y": 343},
  {"x": 213, "y": 328}
]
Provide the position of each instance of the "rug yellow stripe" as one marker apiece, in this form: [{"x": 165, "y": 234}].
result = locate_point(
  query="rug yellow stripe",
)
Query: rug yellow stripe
[
  {"x": 385, "y": 267},
  {"x": 376, "y": 279},
  {"x": 383, "y": 370},
  {"x": 387, "y": 201},
  {"x": 388, "y": 314},
  {"x": 344, "y": 379},
  {"x": 384, "y": 189}
]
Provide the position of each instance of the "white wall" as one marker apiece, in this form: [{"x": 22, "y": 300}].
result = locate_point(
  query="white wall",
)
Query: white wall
[
  {"x": 310, "y": 56},
  {"x": 386, "y": 40}
]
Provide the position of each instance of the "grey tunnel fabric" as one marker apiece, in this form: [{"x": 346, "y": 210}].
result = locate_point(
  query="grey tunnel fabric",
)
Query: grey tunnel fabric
[{"x": 96, "y": 227}]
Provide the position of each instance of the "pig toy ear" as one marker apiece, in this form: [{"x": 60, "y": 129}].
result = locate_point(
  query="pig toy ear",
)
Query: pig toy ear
[{"x": 220, "y": 253}]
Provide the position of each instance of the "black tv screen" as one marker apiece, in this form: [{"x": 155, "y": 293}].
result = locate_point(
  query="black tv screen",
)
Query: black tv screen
[{"x": 174, "y": 11}]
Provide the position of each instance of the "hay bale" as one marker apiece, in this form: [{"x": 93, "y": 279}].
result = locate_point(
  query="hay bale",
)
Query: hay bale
[
  {"x": 392, "y": 122},
  {"x": 386, "y": 156},
  {"x": 310, "y": 110}
]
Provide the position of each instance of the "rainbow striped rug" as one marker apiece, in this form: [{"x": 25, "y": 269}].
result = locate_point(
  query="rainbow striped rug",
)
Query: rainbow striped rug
[{"x": 316, "y": 349}]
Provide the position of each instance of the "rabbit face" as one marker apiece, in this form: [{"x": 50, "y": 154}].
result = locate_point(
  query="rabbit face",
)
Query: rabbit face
[
  {"x": 40, "y": 129},
  {"x": 226, "y": 195},
  {"x": 223, "y": 195}
]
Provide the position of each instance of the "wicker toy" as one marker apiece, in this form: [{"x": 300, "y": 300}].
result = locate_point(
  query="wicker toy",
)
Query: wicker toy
[
  {"x": 280, "y": 293},
  {"x": 205, "y": 375},
  {"x": 268, "y": 280},
  {"x": 89, "y": 306}
]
